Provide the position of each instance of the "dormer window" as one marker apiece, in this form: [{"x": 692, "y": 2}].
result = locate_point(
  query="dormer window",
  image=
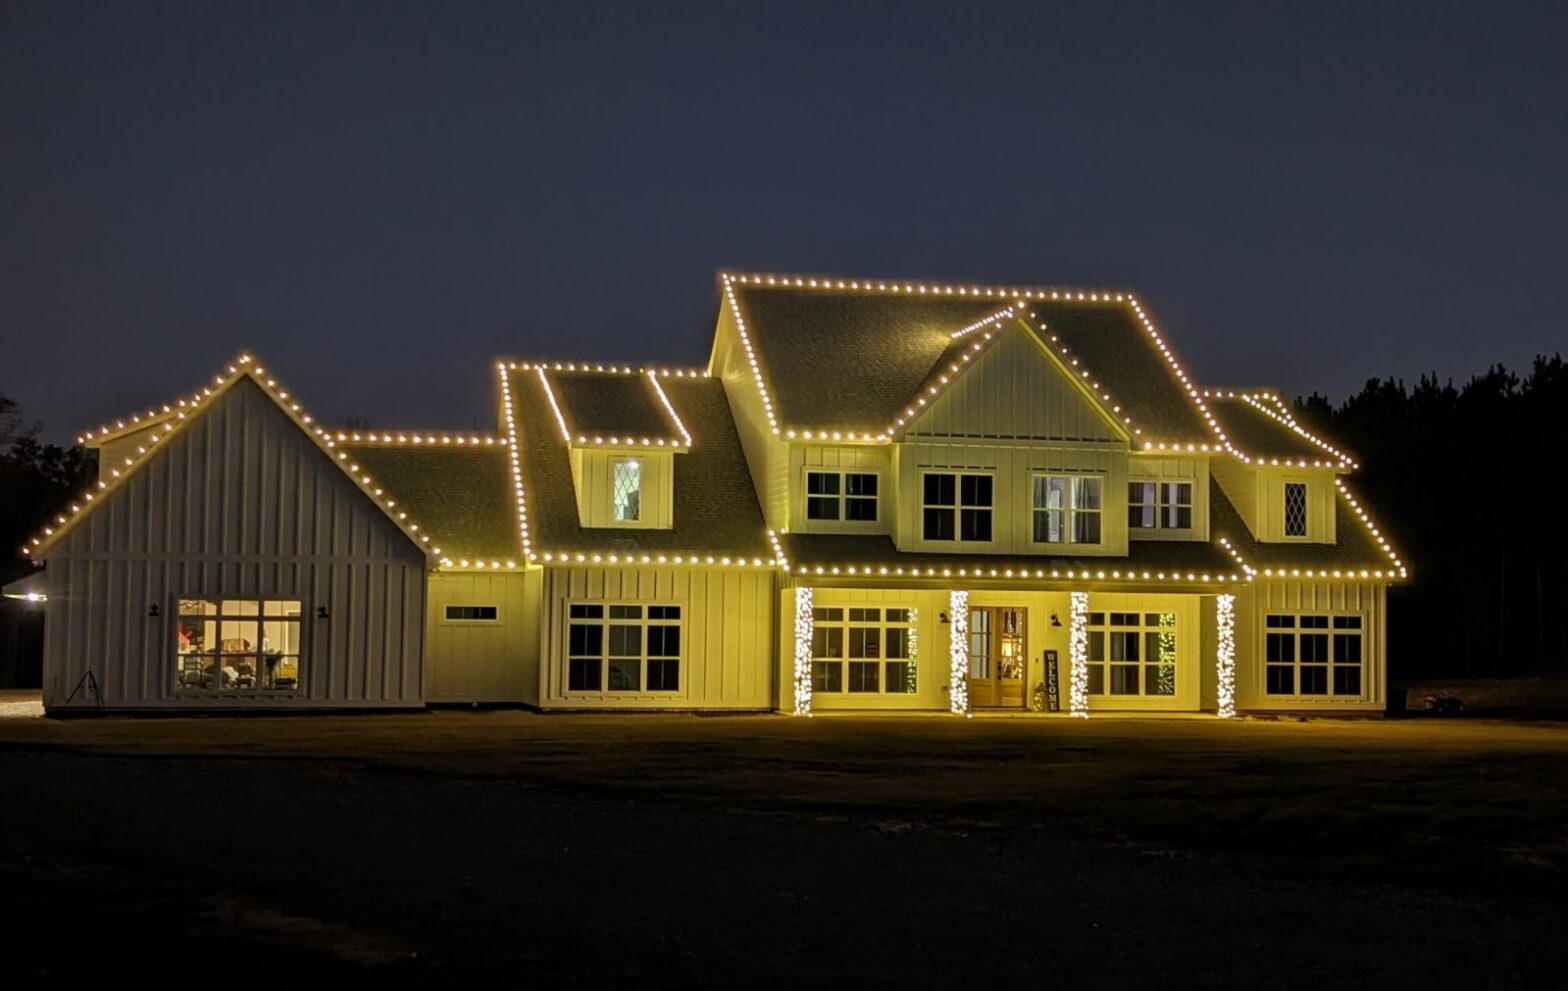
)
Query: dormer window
[
  {"x": 1295, "y": 509},
  {"x": 626, "y": 490},
  {"x": 957, "y": 506}
]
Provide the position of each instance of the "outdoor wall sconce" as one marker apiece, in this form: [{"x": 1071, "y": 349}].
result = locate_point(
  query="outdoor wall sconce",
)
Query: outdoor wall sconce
[
  {"x": 1055, "y": 620},
  {"x": 943, "y": 618},
  {"x": 153, "y": 611},
  {"x": 321, "y": 613}
]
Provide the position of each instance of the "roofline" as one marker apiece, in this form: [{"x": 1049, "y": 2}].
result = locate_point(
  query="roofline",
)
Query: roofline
[
  {"x": 243, "y": 366},
  {"x": 1282, "y": 415}
]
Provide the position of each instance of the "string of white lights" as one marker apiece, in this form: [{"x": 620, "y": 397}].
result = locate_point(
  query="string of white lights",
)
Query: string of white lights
[
  {"x": 958, "y": 651},
  {"x": 805, "y": 632},
  {"x": 1225, "y": 653},
  {"x": 1078, "y": 653}
]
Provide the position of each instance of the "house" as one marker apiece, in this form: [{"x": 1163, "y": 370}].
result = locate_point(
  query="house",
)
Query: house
[{"x": 874, "y": 496}]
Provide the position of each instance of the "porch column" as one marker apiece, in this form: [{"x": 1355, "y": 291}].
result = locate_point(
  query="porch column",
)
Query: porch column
[
  {"x": 1078, "y": 654},
  {"x": 1225, "y": 653},
  {"x": 958, "y": 652},
  {"x": 805, "y": 632}
]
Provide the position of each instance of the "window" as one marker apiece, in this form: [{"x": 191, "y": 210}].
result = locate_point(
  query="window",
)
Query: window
[
  {"x": 832, "y": 495},
  {"x": 1066, "y": 509},
  {"x": 239, "y": 646},
  {"x": 957, "y": 507},
  {"x": 1159, "y": 505},
  {"x": 623, "y": 647},
  {"x": 1295, "y": 509},
  {"x": 863, "y": 650},
  {"x": 472, "y": 614},
  {"x": 1301, "y": 657},
  {"x": 626, "y": 490},
  {"x": 1132, "y": 653}
]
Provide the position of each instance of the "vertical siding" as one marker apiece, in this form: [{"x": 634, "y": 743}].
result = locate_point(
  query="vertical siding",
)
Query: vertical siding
[
  {"x": 1364, "y": 599},
  {"x": 726, "y": 636},
  {"x": 1012, "y": 467},
  {"x": 482, "y": 661},
  {"x": 595, "y": 488},
  {"x": 766, "y": 455},
  {"x": 238, "y": 504},
  {"x": 1014, "y": 391},
  {"x": 1258, "y": 494}
]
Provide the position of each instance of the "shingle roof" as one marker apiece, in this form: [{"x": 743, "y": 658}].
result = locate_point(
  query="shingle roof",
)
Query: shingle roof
[
  {"x": 1354, "y": 546},
  {"x": 1260, "y": 426},
  {"x": 715, "y": 505},
  {"x": 854, "y": 359},
  {"x": 461, "y": 495},
  {"x": 611, "y": 405}
]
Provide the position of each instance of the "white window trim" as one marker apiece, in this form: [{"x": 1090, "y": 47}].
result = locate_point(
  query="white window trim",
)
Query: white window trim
[
  {"x": 958, "y": 507},
  {"x": 842, "y": 498},
  {"x": 605, "y": 621},
  {"x": 1140, "y": 629},
  {"x": 187, "y": 691},
  {"x": 1160, "y": 506},
  {"x": 1068, "y": 512},
  {"x": 881, "y": 625},
  {"x": 642, "y": 491},
  {"x": 1306, "y": 488},
  {"x": 1328, "y": 665}
]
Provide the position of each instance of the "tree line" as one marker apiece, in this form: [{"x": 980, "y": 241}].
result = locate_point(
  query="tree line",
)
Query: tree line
[{"x": 1469, "y": 482}]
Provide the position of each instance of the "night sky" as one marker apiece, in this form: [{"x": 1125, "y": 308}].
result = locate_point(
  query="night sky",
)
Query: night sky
[{"x": 379, "y": 198}]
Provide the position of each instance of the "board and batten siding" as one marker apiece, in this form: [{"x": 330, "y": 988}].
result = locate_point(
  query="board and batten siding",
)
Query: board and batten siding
[
  {"x": 484, "y": 660},
  {"x": 1365, "y": 599},
  {"x": 240, "y": 503},
  {"x": 727, "y": 621}
]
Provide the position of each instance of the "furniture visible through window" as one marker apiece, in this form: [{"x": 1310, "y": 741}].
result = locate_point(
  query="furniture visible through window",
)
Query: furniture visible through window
[
  {"x": 1132, "y": 653},
  {"x": 1302, "y": 657},
  {"x": 623, "y": 647},
  {"x": 846, "y": 495},
  {"x": 864, "y": 650},
  {"x": 957, "y": 506},
  {"x": 472, "y": 614},
  {"x": 1067, "y": 509},
  {"x": 626, "y": 490},
  {"x": 1295, "y": 509},
  {"x": 237, "y": 646},
  {"x": 1159, "y": 505}
]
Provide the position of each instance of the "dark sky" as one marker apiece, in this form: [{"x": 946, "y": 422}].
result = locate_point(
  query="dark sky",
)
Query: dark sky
[{"x": 378, "y": 198}]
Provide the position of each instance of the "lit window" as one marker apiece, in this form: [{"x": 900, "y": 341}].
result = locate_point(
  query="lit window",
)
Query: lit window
[
  {"x": 1066, "y": 509},
  {"x": 239, "y": 646},
  {"x": 1301, "y": 656},
  {"x": 957, "y": 506},
  {"x": 833, "y": 495},
  {"x": 1159, "y": 505},
  {"x": 863, "y": 650},
  {"x": 1295, "y": 509},
  {"x": 1132, "y": 653},
  {"x": 626, "y": 490},
  {"x": 623, "y": 647}
]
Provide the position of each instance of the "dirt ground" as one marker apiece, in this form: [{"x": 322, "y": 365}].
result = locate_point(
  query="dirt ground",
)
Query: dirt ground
[{"x": 710, "y": 851}]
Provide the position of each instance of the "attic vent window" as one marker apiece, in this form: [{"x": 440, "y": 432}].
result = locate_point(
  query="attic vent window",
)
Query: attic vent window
[
  {"x": 1295, "y": 509},
  {"x": 626, "y": 491}
]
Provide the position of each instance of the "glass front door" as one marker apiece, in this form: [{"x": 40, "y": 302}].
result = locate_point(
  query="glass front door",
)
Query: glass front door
[{"x": 997, "y": 646}]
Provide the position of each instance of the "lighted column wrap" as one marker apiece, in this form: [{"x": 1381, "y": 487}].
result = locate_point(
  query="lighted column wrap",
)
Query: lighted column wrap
[
  {"x": 1225, "y": 653},
  {"x": 805, "y": 630},
  {"x": 1078, "y": 654},
  {"x": 958, "y": 651}
]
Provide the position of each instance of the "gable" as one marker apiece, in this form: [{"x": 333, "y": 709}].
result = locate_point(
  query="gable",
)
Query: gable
[
  {"x": 1014, "y": 390},
  {"x": 238, "y": 479}
]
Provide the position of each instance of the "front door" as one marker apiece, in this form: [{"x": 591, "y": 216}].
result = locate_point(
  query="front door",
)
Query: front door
[{"x": 996, "y": 657}]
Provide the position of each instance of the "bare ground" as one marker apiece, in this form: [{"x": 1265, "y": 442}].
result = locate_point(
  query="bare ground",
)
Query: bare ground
[{"x": 673, "y": 850}]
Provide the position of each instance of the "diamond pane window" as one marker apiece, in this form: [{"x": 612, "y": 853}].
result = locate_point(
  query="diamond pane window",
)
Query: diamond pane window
[
  {"x": 1295, "y": 509},
  {"x": 626, "y": 491}
]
